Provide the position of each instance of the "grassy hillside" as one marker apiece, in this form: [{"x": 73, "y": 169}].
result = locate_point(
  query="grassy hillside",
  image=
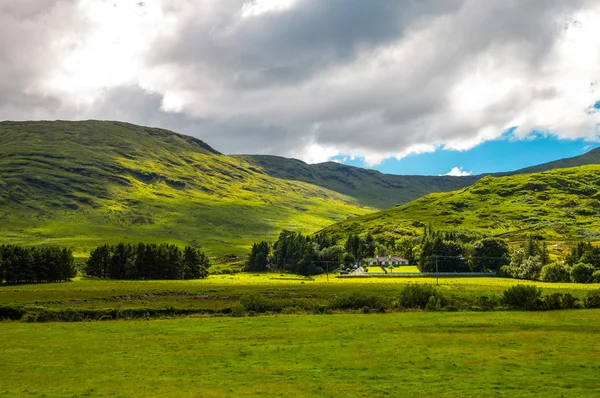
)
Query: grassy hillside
[
  {"x": 591, "y": 157},
  {"x": 559, "y": 204},
  {"x": 369, "y": 187},
  {"x": 382, "y": 191},
  {"x": 84, "y": 183}
]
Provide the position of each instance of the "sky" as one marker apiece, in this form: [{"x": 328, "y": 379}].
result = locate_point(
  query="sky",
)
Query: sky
[{"x": 403, "y": 86}]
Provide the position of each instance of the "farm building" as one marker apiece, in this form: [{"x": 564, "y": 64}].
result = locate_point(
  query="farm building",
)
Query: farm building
[{"x": 386, "y": 260}]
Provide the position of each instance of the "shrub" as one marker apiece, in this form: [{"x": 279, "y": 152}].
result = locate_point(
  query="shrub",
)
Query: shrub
[
  {"x": 238, "y": 310},
  {"x": 596, "y": 277},
  {"x": 553, "y": 301},
  {"x": 434, "y": 303},
  {"x": 507, "y": 271},
  {"x": 359, "y": 300},
  {"x": 418, "y": 296},
  {"x": 488, "y": 303},
  {"x": 569, "y": 302},
  {"x": 592, "y": 300},
  {"x": 525, "y": 297},
  {"x": 253, "y": 302},
  {"x": 555, "y": 272},
  {"x": 13, "y": 313},
  {"x": 582, "y": 273}
]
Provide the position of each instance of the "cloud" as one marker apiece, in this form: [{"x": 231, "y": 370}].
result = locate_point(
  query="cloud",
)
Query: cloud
[
  {"x": 311, "y": 79},
  {"x": 457, "y": 172}
]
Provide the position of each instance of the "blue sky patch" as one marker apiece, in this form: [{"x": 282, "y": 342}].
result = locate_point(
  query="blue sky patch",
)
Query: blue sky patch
[{"x": 493, "y": 156}]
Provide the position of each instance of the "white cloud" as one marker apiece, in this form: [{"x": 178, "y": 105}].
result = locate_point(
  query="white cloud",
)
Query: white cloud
[
  {"x": 457, "y": 172},
  {"x": 259, "y": 7},
  {"x": 306, "y": 78}
]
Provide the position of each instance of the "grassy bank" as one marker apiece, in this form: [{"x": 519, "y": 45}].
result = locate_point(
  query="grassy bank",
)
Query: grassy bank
[{"x": 550, "y": 354}]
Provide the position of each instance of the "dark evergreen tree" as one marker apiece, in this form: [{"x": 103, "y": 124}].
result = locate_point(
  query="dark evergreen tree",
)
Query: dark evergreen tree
[
  {"x": 490, "y": 254},
  {"x": 259, "y": 258}
]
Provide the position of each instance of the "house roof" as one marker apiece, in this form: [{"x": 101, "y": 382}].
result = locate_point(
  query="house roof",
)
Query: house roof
[{"x": 380, "y": 259}]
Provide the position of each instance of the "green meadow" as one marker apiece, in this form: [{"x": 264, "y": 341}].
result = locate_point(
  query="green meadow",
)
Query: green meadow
[
  {"x": 223, "y": 295},
  {"x": 468, "y": 354}
]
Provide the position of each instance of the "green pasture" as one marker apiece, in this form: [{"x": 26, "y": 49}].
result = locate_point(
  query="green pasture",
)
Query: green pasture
[
  {"x": 468, "y": 354},
  {"x": 219, "y": 292}
]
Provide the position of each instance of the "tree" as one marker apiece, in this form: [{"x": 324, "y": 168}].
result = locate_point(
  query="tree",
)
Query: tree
[
  {"x": 259, "y": 258},
  {"x": 367, "y": 246},
  {"x": 582, "y": 273},
  {"x": 442, "y": 255},
  {"x": 532, "y": 247},
  {"x": 98, "y": 263},
  {"x": 555, "y": 272},
  {"x": 353, "y": 246},
  {"x": 195, "y": 263},
  {"x": 490, "y": 254},
  {"x": 404, "y": 247},
  {"x": 530, "y": 268}
]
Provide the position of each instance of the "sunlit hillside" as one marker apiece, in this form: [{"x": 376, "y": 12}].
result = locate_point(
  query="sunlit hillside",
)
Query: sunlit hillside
[
  {"x": 560, "y": 204},
  {"x": 85, "y": 183}
]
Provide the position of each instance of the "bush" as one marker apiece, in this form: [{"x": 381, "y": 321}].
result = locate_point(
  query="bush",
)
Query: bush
[
  {"x": 569, "y": 302},
  {"x": 582, "y": 273},
  {"x": 434, "y": 304},
  {"x": 253, "y": 302},
  {"x": 525, "y": 297},
  {"x": 358, "y": 301},
  {"x": 507, "y": 271},
  {"x": 419, "y": 296},
  {"x": 555, "y": 273},
  {"x": 12, "y": 313},
  {"x": 553, "y": 301},
  {"x": 592, "y": 300},
  {"x": 530, "y": 269},
  {"x": 488, "y": 303},
  {"x": 596, "y": 277}
]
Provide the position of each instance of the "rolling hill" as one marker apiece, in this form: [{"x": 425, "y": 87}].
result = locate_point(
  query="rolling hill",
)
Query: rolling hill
[
  {"x": 370, "y": 187},
  {"x": 81, "y": 184},
  {"x": 382, "y": 191},
  {"x": 560, "y": 204}
]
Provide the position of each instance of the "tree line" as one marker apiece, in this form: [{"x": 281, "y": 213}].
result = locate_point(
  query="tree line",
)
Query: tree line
[
  {"x": 20, "y": 264},
  {"x": 298, "y": 254},
  {"x": 147, "y": 261},
  {"x": 531, "y": 261},
  {"x": 309, "y": 255}
]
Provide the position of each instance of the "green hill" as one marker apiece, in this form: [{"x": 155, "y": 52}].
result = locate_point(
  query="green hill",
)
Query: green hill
[
  {"x": 591, "y": 157},
  {"x": 369, "y": 187},
  {"x": 84, "y": 183},
  {"x": 559, "y": 204},
  {"x": 382, "y": 191}
]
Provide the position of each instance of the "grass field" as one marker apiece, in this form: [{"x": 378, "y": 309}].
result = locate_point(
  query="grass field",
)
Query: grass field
[
  {"x": 502, "y": 354},
  {"x": 222, "y": 292}
]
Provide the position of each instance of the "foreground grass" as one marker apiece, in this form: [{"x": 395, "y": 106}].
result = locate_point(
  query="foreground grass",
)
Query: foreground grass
[{"x": 504, "y": 354}]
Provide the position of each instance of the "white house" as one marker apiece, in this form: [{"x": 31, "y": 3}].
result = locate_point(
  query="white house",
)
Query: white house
[{"x": 386, "y": 260}]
